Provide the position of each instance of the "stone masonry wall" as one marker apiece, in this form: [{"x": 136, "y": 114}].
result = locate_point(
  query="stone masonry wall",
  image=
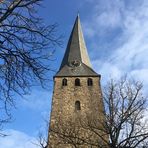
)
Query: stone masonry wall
[{"x": 64, "y": 98}]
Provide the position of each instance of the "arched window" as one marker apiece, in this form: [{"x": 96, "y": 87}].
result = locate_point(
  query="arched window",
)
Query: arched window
[
  {"x": 89, "y": 82},
  {"x": 77, "y": 105},
  {"x": 64, "y": 82},
  {"x": 77, "y": 82}
]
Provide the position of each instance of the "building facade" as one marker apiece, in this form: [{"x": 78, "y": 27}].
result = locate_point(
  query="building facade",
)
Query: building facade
[{"x": 77, "y": 97}]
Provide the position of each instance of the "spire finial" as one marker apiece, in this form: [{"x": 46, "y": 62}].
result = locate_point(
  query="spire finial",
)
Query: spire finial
[{"x": 78, "y": 14}]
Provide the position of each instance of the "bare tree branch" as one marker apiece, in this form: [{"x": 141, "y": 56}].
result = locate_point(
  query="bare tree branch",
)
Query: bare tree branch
[
  {"x": 26, "y": 49},
  {"x": 124, "y": 126}
]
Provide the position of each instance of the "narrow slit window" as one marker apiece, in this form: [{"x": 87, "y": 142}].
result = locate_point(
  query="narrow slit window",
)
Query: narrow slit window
[
  {"x": 89, "y": 82},
  {"x": 64, "y": 82},
  {"x": 77, "y": 105},
  {"x": 77, "y": 82}
]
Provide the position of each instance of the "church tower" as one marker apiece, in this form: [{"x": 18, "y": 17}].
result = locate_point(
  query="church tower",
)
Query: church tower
[{"x": 77, "y": 96}]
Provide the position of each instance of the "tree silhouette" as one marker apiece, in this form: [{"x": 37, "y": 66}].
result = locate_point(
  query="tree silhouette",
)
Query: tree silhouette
[
  {"x": 124, "y": 126},
  {"x": 26, "y": 47}
]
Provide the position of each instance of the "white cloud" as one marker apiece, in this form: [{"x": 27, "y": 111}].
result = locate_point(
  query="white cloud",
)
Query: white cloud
[
  {"x": 107, "y": 70},
  {"x": 131, "y": 54},
  {"x": 109, "y": 14},
  {"x": 106, "y": 15},
  {"x": 17, "y": 139},
  {"x": 141, "y": 75}
]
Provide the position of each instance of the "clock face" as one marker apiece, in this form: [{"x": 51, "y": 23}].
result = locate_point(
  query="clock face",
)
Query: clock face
[{"x": 75, "y": 63}]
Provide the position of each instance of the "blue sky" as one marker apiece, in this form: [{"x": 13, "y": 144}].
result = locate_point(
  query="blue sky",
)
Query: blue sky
[{"x": 116, "y": 35}]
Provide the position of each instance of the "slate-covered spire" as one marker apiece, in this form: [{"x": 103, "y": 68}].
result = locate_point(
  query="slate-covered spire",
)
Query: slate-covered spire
[
  {"x": 76, "y": 61},
  {"x": 76, "y": 48}
]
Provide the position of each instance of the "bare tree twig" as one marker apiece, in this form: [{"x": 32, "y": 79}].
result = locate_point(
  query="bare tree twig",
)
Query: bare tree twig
[
  {"x": 124, "y": 126},
  {"x": 26, "y": 49}
]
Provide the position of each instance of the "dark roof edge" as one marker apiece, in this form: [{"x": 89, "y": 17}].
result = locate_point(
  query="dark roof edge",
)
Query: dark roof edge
[{"x": 79, "y": 76}]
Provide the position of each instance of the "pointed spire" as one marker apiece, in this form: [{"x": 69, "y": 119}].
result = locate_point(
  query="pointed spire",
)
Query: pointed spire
[
  {"x": 76, "y": 48},
  {"x": 76, "y": 51}
]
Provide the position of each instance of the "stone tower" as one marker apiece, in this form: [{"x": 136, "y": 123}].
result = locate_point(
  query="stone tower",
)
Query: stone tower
[{"x": 76, "y": 96}]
